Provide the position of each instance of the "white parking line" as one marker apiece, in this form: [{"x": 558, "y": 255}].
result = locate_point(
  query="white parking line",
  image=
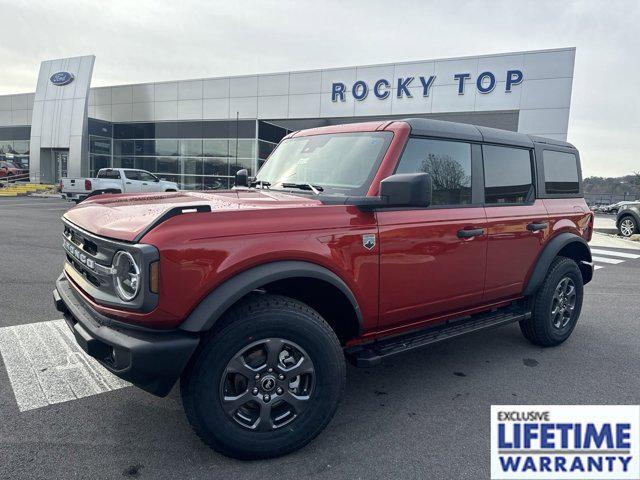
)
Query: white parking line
[
  {"x": 613, "y": 253},
  {"x": 597, "y": 267},
  {"x": 612, "y": 261},
  {"x": 46, "y": 366}
]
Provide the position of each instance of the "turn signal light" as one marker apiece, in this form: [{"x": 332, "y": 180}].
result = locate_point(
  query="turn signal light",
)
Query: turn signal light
[
  {"x": 87, "y": 184},
  {"x": 154, "y": 277}
]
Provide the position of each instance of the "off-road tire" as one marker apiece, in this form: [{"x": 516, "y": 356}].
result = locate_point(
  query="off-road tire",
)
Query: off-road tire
[
  {"x": 539, "y": 329},
  {"x": 262, "y": 316}
]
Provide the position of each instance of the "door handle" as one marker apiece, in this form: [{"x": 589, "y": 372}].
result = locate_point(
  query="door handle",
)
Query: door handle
[
  {"x": 534, "y": 227},
  {"x": 471, "y": 232},
  {"x": 144, "y": 183},
  {"x": 128, "y": 183}
]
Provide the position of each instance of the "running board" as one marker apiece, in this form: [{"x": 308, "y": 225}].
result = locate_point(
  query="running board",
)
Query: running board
[{"x": 371, "y": 354}]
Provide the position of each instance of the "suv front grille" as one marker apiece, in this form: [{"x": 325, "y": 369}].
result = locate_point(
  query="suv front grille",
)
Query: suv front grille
[
  {"x": 89, "y": 259},
  {"x": 83, "y": 271}
]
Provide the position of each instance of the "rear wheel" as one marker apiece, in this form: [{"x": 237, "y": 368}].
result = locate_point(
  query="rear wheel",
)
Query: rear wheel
[
  {"x": 266, "y": 381},
  {"x": 628, "y": 226},
  {"x": 556, "y": 305}
]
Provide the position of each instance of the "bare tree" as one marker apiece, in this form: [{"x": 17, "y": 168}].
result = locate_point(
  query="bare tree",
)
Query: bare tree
[{"x": 446, "y": 173}]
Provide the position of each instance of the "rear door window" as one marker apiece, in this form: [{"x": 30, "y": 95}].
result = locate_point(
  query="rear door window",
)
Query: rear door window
[
  {"x": 560, "y": 172},
  {"x": 508, "y": 177},
  {"x": 109, "y": 174},
  {"x": 448, "y": 163}
]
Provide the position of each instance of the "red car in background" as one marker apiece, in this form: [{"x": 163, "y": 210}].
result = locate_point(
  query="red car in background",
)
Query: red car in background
[{"x": 9, "y": 169}]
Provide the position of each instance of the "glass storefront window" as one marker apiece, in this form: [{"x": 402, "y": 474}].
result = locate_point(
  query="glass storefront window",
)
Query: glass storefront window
[
  {"x": 215, "y": 166},
  {"x": 6, "y": 146},
  {"x": 191, "y": 148},
  {"x": 215, "y": 148},
  {"x": 246, "y": 148},
  {"x": 96, "y": 162},
  {"x": 167, "y": 147},
  {"x": 123, "y": 162},
  {"x": 21, "y": 161},
  {"x": 265, "y": 149},
  {"x": 192, "y": 166},
  {"x": 168, "y": 165},
  {"x": 123, "y": 147},
  {"x": 145, "y": 147},
  {"x": 197, "y": 155},
  {"x": 146, "y": 163},
  {"x": 241, "y": 163},
  {"x": 100, "y": 145},
  {"x": 21, "y": 147}
]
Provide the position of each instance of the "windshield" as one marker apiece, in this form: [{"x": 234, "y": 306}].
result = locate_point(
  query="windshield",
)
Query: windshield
[{"x": 337, "y": 163}]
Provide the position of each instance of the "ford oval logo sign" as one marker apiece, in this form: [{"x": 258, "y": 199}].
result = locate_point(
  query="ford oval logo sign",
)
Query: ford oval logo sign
[{"x": 62, "y": 78}]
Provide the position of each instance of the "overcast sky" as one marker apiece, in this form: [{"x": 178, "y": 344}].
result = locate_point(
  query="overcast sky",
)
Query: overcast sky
[{"x": 140, "y": 41}]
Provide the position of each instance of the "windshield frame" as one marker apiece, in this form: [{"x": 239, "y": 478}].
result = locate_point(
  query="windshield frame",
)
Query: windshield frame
[{"x": 361, "y": 190}]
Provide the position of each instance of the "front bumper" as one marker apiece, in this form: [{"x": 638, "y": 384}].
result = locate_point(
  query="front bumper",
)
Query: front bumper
[{"x": 150, "y": 359}]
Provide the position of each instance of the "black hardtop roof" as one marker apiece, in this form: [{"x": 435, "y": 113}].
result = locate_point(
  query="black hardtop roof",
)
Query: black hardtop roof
[{"x": 464, "y": 131}]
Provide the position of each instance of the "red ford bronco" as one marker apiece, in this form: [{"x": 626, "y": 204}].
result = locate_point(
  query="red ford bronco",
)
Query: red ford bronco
[{"x": 356, "y": 241}]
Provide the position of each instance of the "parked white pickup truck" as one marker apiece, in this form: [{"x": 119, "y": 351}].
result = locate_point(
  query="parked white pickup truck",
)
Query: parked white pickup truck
[{"x": 114, "y": 180}]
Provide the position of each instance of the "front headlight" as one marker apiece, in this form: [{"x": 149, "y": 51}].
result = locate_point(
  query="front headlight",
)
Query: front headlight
[{"x": 127, "y": 275}]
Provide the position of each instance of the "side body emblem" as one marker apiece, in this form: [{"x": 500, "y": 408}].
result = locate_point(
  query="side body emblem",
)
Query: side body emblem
[{"x": 369, "y": 241}]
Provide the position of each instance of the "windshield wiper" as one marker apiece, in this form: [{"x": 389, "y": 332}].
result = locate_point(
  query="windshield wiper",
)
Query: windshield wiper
[{"x": 316, "y": 189}]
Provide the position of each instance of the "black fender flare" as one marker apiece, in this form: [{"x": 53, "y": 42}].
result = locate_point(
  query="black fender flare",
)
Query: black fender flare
[
  {"x": 211, "y": 308},
  {"x": 551, "y": 250}
]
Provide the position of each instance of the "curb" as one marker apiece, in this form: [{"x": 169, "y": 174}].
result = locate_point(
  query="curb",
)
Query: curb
[
  {"x": 46, "y": 195},
  {"x": 608, "y": 231}
]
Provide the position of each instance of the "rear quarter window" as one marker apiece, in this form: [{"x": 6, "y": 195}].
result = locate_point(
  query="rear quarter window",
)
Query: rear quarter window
[{"x": 560, "y": 173}]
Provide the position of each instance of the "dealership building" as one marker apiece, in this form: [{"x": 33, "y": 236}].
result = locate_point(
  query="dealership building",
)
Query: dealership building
[{"x": 200, "y": 132}]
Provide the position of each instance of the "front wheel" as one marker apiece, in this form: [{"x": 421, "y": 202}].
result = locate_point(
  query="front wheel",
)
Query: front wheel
[
  {"x": 266, "y": 381},
  {"x": 556, "y": 305}
]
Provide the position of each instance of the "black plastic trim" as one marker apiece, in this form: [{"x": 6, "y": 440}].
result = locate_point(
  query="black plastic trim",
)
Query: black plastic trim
[
  {"x": 207, "y": 313},
  {"x": 371, "y": 354},
  {"x": 550, "y": 252},
  {"x": 151, "y": 360},
  {"x": 171, "y": 213}
]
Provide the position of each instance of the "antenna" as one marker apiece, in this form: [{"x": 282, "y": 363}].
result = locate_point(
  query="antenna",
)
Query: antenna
[{"x": 237, "y": 122}]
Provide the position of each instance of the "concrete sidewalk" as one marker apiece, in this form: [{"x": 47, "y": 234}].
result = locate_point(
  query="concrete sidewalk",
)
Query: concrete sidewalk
[
  {"x": 610, "y": 241},
  {"x": 605, "y": 224}
]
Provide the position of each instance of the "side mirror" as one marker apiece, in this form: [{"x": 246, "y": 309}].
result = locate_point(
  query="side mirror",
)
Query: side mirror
[
  {"x": 406, "y": 190},
  {"x": 242, "y": 178},
  {"x": 400, "y": 190}
]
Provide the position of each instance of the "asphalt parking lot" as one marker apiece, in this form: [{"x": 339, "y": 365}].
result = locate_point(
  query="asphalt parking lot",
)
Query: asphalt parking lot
[{"x": 421, "y": 415}]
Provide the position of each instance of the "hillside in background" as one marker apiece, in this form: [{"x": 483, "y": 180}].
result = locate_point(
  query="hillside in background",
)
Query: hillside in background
[{"x": 628, "y": 185}]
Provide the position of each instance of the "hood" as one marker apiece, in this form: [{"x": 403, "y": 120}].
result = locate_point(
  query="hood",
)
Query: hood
[{"x": 125, "y": 217}]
